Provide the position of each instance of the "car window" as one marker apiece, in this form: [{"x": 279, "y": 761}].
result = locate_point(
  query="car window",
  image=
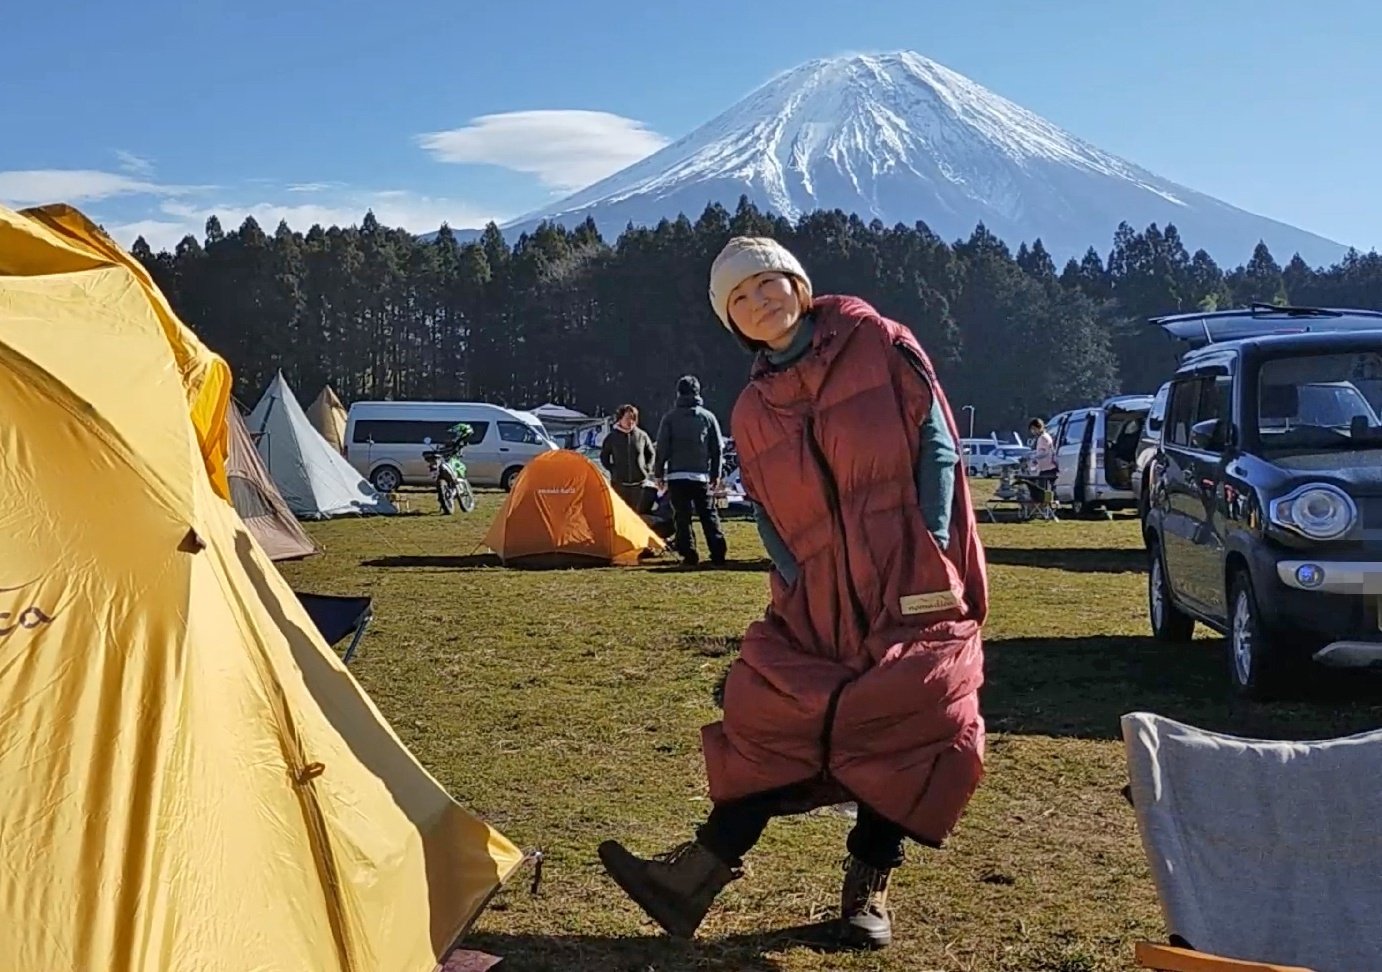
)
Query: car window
[
  {"x": 1215, "y": 400},
  {"x": 400, "y": 431},
  {"x": 1320, "y": 402},
  {"x": 1073, "y": 433},
  {"x": 1157, "y": 414},
  {"x": 519, "y": 432},
  {"x": 1180, "y": 412},
  {"x": 1196, "y": 400}
]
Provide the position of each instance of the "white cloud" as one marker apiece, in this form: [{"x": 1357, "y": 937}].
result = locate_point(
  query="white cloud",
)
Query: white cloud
[
  {"x": 566, "y": 150},
  {"x": 134, "y": 164},
  {"x": 414, "y": 212},
  {"x": 159, "y": 234},
  {"x": 313, "y": 186},
  {"x": 27, "y": 187}
]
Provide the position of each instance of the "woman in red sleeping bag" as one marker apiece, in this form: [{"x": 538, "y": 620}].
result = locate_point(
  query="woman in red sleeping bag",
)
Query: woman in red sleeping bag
[{"x": 861, "y": 681}]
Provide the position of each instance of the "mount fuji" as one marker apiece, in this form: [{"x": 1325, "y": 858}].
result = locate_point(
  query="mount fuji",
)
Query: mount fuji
[{"x": 900, "y": 138}]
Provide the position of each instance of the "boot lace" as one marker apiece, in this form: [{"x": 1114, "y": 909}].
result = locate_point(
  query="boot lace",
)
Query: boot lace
[
  {"x": 866, "y": 887},
  {"x": 675, "y": 854}
]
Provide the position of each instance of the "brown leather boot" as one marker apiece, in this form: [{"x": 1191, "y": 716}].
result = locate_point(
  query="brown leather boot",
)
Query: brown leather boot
[
  {"x": 864, "y": 917},
  {"x": 676, "y": 889}
]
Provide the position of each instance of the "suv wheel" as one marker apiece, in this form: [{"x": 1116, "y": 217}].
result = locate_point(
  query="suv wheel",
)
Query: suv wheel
[
  {"x": 1258, "y": 665},
  {"x": 1169, "y": 623}
]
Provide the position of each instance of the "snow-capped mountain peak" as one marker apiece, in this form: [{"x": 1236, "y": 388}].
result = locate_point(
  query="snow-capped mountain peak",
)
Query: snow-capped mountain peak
[{"x": 902, "y": 138}]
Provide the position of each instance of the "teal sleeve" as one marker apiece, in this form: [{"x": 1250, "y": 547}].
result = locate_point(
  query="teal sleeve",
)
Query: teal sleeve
[
  {"x": 772, "y": 542},
  {"x": 935, "y": 474}
]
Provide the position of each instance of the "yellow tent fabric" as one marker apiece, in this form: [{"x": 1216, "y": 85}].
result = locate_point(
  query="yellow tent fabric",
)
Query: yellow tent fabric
[
  {"x": 191, "y": 778},
  {"x": 562, "y": 512},
  {"x": 59, "y": 239},
  {"x": 328, "y": 416}
]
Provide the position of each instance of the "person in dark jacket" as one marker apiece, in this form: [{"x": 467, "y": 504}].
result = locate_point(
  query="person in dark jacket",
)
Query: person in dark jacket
[
  {"x": 689, "y": 460},
  {"x": 628, "y": 454}
]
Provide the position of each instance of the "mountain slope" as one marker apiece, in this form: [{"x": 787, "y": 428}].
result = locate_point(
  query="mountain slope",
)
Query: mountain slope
[{"x": 901, "y": 138}]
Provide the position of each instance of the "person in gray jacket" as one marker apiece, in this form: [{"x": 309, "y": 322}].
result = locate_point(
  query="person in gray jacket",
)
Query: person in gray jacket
[
  {"x": 627, "y": 453},
  {"x": 689, "y": 462}
]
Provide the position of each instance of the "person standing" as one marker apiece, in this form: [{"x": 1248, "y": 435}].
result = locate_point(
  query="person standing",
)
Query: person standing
[
  {"x": 861, "y": 682},
  {"x": 628, "y": 454},
  {"x": 688, "y": 462},
  {"x": 1044, "y": 459}
]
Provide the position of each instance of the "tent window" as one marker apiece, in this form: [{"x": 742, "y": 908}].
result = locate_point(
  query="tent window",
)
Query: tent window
[{"x": 248, "y": 499}]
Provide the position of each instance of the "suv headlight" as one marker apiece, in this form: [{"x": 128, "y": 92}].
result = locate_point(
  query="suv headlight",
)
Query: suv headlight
[{"x": 1317, "y": 512}]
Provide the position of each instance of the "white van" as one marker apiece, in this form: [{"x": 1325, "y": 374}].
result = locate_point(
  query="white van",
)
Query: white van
[
  {"x": 988, "y": 457},
  {"x": 1096, "y": 452},
  {"x": 385, "y": 441}
]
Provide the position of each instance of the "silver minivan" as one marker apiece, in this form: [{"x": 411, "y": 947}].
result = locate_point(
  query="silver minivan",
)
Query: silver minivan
[
  {"x": 385, "y": 441},
  {"x": 1096, "y": 452}
]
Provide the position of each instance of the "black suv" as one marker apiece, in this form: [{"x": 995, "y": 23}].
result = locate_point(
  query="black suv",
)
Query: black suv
[{"x": 1264, "y": 520}]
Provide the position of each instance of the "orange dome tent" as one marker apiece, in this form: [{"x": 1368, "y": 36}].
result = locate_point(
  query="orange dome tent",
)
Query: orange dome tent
[{"x": 563, "y": 513}]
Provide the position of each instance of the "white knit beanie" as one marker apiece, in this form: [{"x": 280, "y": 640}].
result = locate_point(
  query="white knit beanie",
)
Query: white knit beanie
[{"x": 743, "y": 257}]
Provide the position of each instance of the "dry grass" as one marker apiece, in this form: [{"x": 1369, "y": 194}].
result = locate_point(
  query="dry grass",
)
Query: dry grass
[{"x": 564, "y": 707}]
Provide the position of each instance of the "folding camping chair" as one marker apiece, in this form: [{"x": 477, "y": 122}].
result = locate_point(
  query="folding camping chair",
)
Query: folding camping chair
[
  {"x": 1262, "y": 852},
  {"x": 336, "y": 617}
]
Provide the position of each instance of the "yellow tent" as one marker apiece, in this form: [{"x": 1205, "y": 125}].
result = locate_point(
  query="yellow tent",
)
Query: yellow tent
[
  {"x": 191, "y": 779},
  {"x": 328, "y": 416},
  {"x": 563, "y": 513}
]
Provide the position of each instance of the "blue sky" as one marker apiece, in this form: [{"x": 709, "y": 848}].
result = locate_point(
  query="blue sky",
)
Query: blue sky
[{"x": 151, "y": 115}]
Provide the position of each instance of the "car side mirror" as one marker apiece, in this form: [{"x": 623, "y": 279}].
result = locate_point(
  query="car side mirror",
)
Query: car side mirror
[{"x": 1210, "y": 435}]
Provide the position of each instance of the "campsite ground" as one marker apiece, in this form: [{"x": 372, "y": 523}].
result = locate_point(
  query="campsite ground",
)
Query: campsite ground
[{"x": 564, "y": 708}]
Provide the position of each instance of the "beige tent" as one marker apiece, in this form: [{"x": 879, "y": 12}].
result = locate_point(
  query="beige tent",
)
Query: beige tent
[
  {"x": 257, "y": 500},
  {"x": 328, "y": 416}
]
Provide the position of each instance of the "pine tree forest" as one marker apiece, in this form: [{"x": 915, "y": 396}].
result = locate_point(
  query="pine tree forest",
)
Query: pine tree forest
[{"x": 565, "y": 316}]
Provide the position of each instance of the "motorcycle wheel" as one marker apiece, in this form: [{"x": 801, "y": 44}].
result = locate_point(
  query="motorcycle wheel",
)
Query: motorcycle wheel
[
  {"x": 444, "y": 499},
  {"x": 466, "y": 496}
]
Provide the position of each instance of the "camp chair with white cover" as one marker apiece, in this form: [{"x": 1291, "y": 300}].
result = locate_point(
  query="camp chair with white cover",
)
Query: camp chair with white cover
[{"x": 1262, "y": 852}]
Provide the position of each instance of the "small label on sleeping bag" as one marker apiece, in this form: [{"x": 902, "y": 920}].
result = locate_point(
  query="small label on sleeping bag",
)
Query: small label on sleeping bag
[{"x": 926, "y": 603}]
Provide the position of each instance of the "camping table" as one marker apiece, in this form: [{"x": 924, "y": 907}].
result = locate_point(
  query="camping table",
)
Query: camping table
[{"x": 1026, "y": 509}]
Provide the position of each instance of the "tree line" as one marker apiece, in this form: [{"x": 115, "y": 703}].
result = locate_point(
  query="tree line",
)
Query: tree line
[{"x": 562, "y": 315}]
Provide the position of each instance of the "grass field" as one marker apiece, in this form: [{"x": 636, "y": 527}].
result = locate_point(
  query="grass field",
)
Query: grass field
[{"x": 564, "y": 707}]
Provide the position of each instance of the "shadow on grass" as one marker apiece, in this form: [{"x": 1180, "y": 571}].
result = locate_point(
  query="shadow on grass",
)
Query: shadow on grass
[
  {"x": 1080, "y": 687},
  {"x": 468, "y": 562},
  {"x": 1083, "y": 560},
  {"x": 1078, "y": 559},
  {"x": 588, "y": 953},
  {"x": 759, "y": 565}
]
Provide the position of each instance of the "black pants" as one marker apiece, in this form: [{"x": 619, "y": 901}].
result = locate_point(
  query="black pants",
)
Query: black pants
[
  {"x": 733, "y": 828},
  {"x": 640, "y": 498},
  {"x": 688, "y": 497}
]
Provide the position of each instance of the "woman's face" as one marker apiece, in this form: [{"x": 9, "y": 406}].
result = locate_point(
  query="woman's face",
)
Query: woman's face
[{"x": 765, "y": 308}]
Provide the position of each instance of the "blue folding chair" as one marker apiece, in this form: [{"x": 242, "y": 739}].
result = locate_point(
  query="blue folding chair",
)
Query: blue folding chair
[{"x": 336, "y": 617}]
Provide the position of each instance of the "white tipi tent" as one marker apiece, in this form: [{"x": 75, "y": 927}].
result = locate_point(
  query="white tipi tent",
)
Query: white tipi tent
[{"x": 316, "y": 481}]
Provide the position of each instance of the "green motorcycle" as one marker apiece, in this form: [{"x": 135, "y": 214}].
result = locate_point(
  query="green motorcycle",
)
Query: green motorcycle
[{"x": 448, "y": 471}]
